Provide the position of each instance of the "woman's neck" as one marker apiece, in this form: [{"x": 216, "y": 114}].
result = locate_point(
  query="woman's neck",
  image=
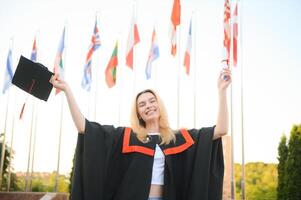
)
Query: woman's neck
[{"x": 152, "y": 127}]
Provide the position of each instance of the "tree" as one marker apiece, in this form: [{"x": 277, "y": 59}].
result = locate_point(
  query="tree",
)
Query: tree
[
  {"x": 282, "y": 158},
  {"x": 13, "y": 180},
  {"x": 294, "y": 164},
  {"x": 71, "y": 175},
  {"x": 5, "y": 164},
  {"x": 261, "y": 181}
]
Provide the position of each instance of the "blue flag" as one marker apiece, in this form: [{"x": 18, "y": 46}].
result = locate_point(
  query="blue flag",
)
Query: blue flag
[
  {"x": 95, "y": 44},
  {"x": 8, "y": 77},
  {"x": 153, "y": 55}
]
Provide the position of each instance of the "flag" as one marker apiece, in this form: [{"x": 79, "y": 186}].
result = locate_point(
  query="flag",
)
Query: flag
[
  {"x": 173, "y": 31},
  {"x": 133, "y": 39},
  {"x": 58, "y": 62},
  {"x": 176, "y": 13},
  {"x": 112, "y": 67},
  {"x": 95, "y": 44},
  {"x": 153, "y": 55},
  {"x": 34, "y": 51},
  {"x": 235, "y": 36},
  {"x": 175, "y": 20},
  {"x": 8, "y": 77},
  {"x": 188, "y": 50},
  {"x": 227, "y": 34}
]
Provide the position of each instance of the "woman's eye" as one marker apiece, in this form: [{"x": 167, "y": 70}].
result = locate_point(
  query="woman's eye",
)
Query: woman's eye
[{"x": 141, "y": 105}]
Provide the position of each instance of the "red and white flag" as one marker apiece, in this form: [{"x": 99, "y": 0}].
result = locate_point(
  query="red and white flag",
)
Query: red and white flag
[
  {"x": 133, "y": 39},
  {"x": 188, "y": 50},
  {"x": 175, "y": 20},
  {"x": 235, "y": 36},
  {"x": 227, "y": 33}
]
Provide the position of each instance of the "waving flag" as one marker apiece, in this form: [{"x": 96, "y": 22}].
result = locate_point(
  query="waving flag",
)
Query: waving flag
[
  {"x": 173, "y": 31},
  {"x": 188, "y": 50},
  {"x": 133, "y": 39},
  {"x": 58, "y": 62},
  {"x": 175, "y": 20},
  {"x": 34, "y": 51},
  {"x": 235, "y": 36},
  {"x": 95, "y": 44},
  {"x": 112, "y": 67},
  {"x": 227, "y": 33},
  {"x": 8, "y": 77},
  {"x": 153, "y": 55}
]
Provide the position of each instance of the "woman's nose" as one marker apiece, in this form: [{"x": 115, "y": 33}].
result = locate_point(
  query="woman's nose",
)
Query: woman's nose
[{"x": 147, "y": 105}]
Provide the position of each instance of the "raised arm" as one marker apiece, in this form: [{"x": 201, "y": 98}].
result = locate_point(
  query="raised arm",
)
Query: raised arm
[
  {"x": 223, "y": 82},
  {"x": 78, "y": 118}
]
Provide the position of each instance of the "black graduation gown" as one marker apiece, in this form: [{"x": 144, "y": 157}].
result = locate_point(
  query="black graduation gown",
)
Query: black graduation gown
[{"x": 112, "y": 164}]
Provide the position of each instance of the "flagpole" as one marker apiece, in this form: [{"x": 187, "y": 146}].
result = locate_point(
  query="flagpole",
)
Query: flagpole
[
  {"x": 117, "y": 79},
  {"x": 155, "y": 68},
  {"x": 59, "y": 146},
  {"x": 134, "y": 69},
  {"x": 88, "y": 114},
  {"x": 155, "y": 77},
  {"x": 97, "y": 70},
  {"x": 178, "y": 32},
  {"x": 10, "y": 156},
  {"x": 3, "y": 141},
  {"x": 232, "y": 145},
  {"x": 194, "y": 19},
  {"x": 11, "y": 152},
  {"x": 35, "y": 108},
  {"x": 28, "y": 177},
  {"x": 232, "y": 139},
  {"x": 119, "y": 86},
  {"x": 4, "y": 134},
  {"x": 227, "y": 62},
  {"x": 120, "y": 97},
  {"x": 242, "y": 110},
  {"x": 62, "y": 114}
]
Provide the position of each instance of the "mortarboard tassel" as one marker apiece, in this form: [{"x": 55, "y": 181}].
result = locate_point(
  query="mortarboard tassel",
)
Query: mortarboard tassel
[
  {"x": 22, "y": 111},
  {"x": 29, "y": 91}
]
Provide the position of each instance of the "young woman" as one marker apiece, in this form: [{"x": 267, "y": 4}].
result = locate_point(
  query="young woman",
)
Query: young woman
[{"x": 148, "y": 160}]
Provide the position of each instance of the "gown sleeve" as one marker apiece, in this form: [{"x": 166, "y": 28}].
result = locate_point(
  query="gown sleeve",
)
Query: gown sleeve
[
  {"x": 208, "y": 169},
  {"x": 91, "y": 157}
]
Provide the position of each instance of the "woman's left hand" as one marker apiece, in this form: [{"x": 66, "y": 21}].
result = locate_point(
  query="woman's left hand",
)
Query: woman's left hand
[{"x": 224, "y": 79}]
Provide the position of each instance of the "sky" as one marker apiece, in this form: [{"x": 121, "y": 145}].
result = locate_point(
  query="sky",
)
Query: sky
[{"x": 268, "y": 72}]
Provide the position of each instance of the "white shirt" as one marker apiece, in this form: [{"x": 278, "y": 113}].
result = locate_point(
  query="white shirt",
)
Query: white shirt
[{"x": 158, "y": 165}]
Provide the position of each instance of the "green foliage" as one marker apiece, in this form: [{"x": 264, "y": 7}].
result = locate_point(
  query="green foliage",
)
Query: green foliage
[
  {"x": 44, "y": 182},
  {"x": 41, "y": 182},
  {"x": 13, "y": 180},
  {"x": 282, "y": 179},
  {"x": 289, "y": 168},
  {"x": 71, "y": 175},
  {"x": 260, "y": 181},
  {"x": 294, "y": 164}
]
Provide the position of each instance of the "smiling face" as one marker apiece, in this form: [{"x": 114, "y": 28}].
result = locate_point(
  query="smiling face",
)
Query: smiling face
[{"x": 148, "y": 107}]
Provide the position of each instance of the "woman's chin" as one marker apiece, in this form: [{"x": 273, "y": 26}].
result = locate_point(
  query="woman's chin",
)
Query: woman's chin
[{"x": 152, "y": 119}]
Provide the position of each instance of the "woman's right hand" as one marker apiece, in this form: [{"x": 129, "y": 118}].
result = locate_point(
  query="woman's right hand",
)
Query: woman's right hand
[{"x": 59, "y": 83}]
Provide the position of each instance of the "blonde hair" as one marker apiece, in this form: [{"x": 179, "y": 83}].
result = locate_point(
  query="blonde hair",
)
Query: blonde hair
[{"x": 139, "y": 127}]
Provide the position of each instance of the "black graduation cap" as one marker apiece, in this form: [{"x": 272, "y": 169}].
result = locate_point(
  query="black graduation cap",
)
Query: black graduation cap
[{"x": 33, "y": 78}]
